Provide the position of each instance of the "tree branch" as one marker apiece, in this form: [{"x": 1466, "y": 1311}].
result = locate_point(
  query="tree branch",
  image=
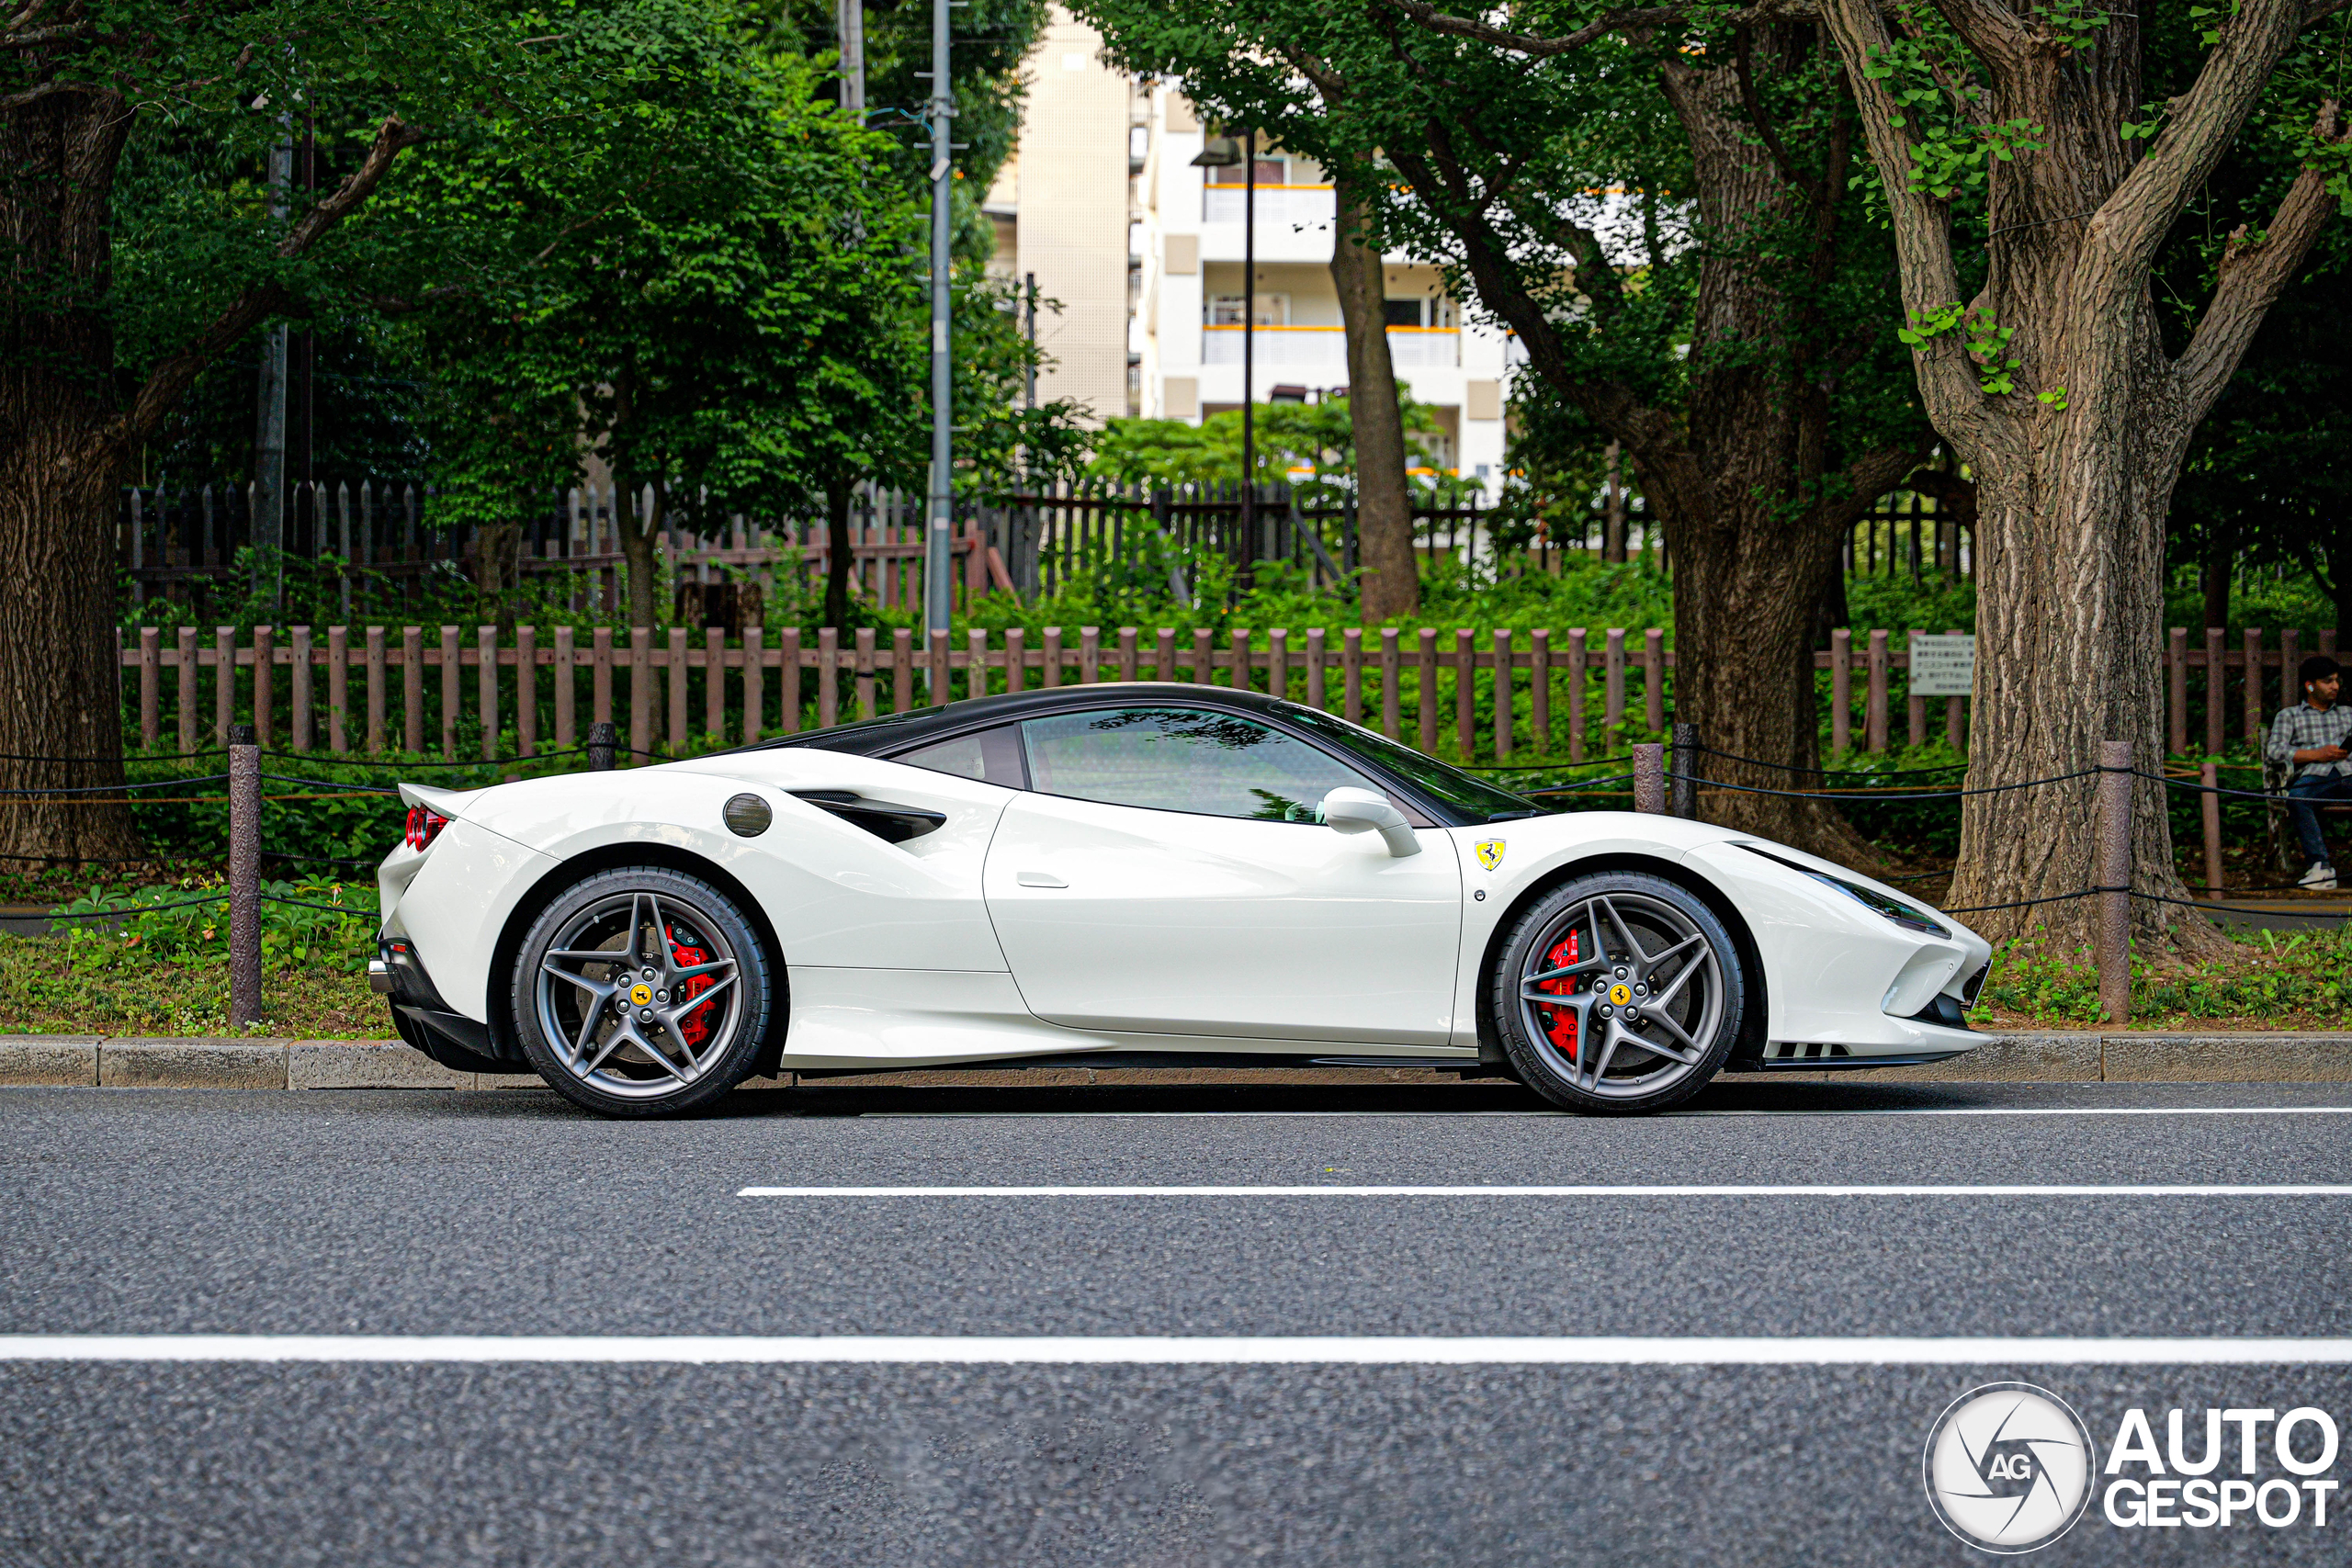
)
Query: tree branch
[
  {"x": 2252, "y": 275},
  {"x": 1991, "y": 31},
  {"x": 47, "y": 90},
  {"x": 1438, "y": 21},
  {"x": 2120, "y": 240},
  {"x": 1922, "y": 244},
  {"x": 1744, "y": 63},
  {"x": 1873, "y": 474},
  {"x": 2321, "y": 10},
  {"x": 170, "y": 377},
  {"x": 33, "y": 38}
]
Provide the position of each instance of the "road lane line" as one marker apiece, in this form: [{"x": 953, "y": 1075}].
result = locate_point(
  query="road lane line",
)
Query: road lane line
[
  {"x": 1840, "y": 1190},
  {"x": 1149, "y": 1350}
]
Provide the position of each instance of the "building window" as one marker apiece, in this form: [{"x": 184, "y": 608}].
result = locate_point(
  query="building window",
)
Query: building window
[
  {"x": 1274, "y": 311},
  {"x": 1404, "y": 312}
]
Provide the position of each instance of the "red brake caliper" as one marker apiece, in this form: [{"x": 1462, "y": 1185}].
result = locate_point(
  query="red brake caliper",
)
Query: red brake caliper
[
  {"x": 1563, "y": 1033},
  {"x": 695, "y": 1027}
]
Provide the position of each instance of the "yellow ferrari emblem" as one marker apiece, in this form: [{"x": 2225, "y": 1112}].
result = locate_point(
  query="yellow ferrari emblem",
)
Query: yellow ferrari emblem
[
  {"x": 642, "y": 994},
  {"x": 1490, "y": 853},
  {"x": 1621, "y": 994}
]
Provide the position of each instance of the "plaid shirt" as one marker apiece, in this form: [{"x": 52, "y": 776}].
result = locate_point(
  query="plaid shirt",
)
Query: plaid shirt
[{"x": 2301, "y": 727}]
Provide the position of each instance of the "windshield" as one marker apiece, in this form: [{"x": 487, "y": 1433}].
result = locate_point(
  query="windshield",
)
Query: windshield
[{"x": 1474, "y": 799}]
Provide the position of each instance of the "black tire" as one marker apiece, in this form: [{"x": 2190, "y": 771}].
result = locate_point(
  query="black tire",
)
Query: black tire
[
  {"x": 605, "y": 1031},
  {"x": 1605, "y": 944}
]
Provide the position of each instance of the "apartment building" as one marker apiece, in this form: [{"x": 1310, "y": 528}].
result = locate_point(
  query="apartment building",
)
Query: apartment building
[{"x": 1177, "y": 276}]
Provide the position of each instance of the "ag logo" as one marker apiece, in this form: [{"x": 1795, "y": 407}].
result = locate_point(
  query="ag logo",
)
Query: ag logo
[
  {"x": 640, "y": 994},
  {"x": 1490, "y": 853},
  {"x": 1620, "y": 993},
  {"x": 2009, "y": 1467}
]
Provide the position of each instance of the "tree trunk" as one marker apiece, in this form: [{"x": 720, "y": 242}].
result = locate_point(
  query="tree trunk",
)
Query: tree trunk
[
  {"x": 498, "y": 573},
  {"x": 60, "y": 726},
  {"x": 1391, "y": 586},
  {"x": 61, "y": 715},
  {"x": 637, "y": 534},
  {"x": 837, "y": 551},
  {"x": 1612, "y": 507},
  {"x": 2220, "y": 550},
  {"x": 2075, "y": 452}
]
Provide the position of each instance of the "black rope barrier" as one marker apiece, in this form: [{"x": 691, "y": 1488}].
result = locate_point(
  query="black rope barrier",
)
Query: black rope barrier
[
  {"x": 1863, "y": 797},
  {"x": 1828, "y": 773},
  {"x": 117, "y": 789},
  {"x": 119, "y": 757},
  {"x": 332, "y": 784},
  {"x": 1582, "y": 784},
  {"x": 219, "y": 897},
  {"x": 353, "y": 909}
]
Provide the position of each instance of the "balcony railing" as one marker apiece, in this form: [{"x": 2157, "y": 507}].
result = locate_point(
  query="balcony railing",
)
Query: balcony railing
[
  {"x": 1284, "y": 205},
  {"x": 1326, "y": 348}
]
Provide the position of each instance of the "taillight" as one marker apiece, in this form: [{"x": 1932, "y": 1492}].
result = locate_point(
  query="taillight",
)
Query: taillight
[{"x": 424, "y": 827}]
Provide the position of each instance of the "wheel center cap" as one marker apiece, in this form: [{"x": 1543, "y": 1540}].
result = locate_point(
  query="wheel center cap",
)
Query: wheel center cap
[
  {"x": 1621, "y": 994},
  {"x": 641, "y": 994}
]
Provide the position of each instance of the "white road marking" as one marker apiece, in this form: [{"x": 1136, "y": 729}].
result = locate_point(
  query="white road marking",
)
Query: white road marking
[
  {"x": 1823, "y": 1189},
  {"x": 1149, "y": 1351},
  {"x": 1669, "y": 1116}
]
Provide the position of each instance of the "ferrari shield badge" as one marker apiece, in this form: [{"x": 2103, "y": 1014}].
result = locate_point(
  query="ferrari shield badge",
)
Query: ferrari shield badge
[{"x": 1490, "y": 853}]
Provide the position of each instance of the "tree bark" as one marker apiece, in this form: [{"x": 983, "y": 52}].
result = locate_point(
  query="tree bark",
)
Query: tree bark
[
  {"x": 1390, "y": 584},
  {"x": 637, "y": 534},
  {"x": 2220, "y": 550},
  {"x": 2074, "y": 468},
  {"x": 67, "y": 438},
  {"x": 61, "y": 723},
  {"x": 1612, "y": 507},
  {"x": 837, "y": 551},
  {"x": 1737, "y": 477}
]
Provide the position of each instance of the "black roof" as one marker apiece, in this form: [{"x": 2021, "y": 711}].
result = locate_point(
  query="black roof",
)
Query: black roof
[
  {"x": 894, "y": 732},
  {"x": 1423, "y": 781}
]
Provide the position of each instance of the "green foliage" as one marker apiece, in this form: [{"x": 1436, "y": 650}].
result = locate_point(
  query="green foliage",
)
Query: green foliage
[
  {"x": 1310, "y": 447},
  {"x": 2269, "y": 978},
  {"x": 1988, "y": 343},
  {"x": 291, "y": 933}
]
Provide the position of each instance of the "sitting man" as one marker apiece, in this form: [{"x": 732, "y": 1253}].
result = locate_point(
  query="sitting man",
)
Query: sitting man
[{"x": 2310, "y": 736}]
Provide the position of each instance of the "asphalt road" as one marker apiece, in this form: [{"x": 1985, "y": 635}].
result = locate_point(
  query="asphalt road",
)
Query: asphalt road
[{"x": 499, "y": 1214}]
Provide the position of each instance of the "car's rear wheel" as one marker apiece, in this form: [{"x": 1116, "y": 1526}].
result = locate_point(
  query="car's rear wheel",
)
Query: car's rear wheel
[
  {"x": 1617, "y": 993},
  {"x": 642, "y": 992}
]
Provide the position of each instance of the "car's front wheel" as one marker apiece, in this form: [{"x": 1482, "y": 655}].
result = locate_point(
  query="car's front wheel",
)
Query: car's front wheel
[
  {"x": 1619, "y": 993},
  {"x": 642, "y": 992}
]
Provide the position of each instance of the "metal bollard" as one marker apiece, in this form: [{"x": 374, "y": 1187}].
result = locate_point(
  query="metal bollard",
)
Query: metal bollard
[
  {"x": 245, "y": 877},
  {"x": 1649, "y": 778},
  {"x": 2112, "y": 935},
  {"x": 1686, "y": 764},
  {"x": 603, "y": 740}
]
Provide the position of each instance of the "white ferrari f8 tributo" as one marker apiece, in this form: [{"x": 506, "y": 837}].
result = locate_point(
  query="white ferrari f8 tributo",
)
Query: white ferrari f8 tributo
[{"x": 1137, "y": 874}]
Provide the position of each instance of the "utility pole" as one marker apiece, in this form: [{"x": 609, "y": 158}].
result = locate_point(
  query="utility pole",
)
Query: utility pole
[
  {"x": 849, "y": 28},
  {"x": 269, "y": 434},
  {"x": 1029, "y": 288},
  {"x": 1249, "y": 362},
  {"x": 938, "y": 603}
]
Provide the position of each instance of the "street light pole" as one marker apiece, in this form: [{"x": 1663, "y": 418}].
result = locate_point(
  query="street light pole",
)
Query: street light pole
[
  {"x": 938, "y": 603},
  {"x": 1248, "y": 361}
]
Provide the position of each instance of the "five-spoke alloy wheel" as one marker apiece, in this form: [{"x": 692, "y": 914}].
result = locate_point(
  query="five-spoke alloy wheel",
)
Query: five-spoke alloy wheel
[
  {"x": 642, "y": 992},
  {"x": 1618, "y": 992}
]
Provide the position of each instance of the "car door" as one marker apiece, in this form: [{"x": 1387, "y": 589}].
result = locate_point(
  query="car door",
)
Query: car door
[{"x": 1166, "y": 874}]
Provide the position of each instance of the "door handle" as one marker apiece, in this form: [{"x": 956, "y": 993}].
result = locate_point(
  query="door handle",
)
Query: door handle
[{"x": 1039, "y": 879}]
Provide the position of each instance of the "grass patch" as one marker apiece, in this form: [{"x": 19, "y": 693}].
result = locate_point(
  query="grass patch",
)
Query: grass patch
[
  {"x": 44, "y": 989},
  {"x": 2266, "y": 980}
]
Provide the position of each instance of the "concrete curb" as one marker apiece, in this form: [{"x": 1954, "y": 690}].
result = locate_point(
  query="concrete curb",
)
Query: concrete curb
[{"x": 87, "y": 1061}]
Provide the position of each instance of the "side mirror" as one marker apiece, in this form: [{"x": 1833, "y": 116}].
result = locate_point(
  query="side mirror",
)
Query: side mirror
[{"x": 1351, "y": 810}]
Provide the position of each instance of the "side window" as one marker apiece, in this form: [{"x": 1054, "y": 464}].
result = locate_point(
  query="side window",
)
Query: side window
[
  {"x": 1217, "y": 764},
  {"x": 993, "y": 756}
]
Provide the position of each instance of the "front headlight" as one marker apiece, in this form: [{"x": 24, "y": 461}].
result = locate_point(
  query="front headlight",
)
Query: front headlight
[{"x": 1908, "y": 916}]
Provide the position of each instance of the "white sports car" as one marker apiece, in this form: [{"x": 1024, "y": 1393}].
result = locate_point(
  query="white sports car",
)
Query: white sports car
[{"x": 1133, "y": 873}]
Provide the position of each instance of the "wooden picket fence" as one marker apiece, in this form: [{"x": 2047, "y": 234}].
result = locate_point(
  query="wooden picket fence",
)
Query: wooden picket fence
[{"x": 293, "y": 683}]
